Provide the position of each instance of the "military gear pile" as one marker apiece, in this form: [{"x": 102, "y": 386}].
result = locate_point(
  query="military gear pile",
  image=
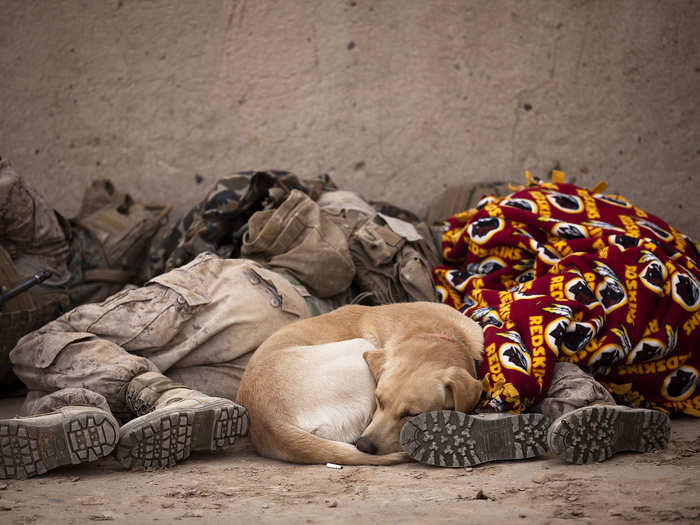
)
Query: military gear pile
[{"x": 307, "y": 228}]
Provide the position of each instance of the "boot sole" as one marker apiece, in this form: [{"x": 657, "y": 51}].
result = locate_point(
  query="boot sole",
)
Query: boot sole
[
  {"x": 448, "y": 438},
  {"x": 596, "y": 433},
  {"x": 35, "y": 445},
  {"x": 168, "y": 435}
]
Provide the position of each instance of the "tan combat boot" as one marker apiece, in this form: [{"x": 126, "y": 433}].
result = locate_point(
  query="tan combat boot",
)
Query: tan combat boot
[
  {"x": 73, "y": 434},
  {"x": 596, "y": 433},
  {"x": 174, "y": 421},
  {"x": 447, "y": 438}
]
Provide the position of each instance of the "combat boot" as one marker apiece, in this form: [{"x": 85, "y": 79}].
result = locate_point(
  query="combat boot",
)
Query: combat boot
[
  {"x": 596, "y": 433},
  {"x": 447, "y": 438},
  {"x": 174, "y": 421},
  {"x": 73, "y": 434}
]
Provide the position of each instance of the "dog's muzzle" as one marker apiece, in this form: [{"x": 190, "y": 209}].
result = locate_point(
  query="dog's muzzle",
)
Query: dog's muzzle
[{"x": 366, "y": 445}]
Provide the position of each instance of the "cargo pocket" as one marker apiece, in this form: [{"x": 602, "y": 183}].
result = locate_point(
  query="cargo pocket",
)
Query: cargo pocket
[
  {"x": 379, "y": 242},
  {"x": 134, "y": 319},
  {"x": 415, "y": 276},
  {"x": 39, "y": 349},
  {"x": 300, "y": 239}
]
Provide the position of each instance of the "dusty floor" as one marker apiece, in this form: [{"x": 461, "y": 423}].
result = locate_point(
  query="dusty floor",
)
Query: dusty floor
[{"x": 240, "y": 487}]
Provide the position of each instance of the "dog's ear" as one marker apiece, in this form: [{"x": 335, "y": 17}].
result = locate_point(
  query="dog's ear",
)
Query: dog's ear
[
  {"x": 473, "y": 337},
  {"x": 465, "y": 389},
  {"x": 376, "y": 359}
]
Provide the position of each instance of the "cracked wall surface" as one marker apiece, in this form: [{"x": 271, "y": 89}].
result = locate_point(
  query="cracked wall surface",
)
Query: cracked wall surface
[{"x": 395, "y": 99}]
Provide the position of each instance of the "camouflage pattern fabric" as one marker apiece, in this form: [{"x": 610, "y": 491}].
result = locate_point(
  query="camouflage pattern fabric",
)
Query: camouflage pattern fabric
[{"x": 218, "y": 222}]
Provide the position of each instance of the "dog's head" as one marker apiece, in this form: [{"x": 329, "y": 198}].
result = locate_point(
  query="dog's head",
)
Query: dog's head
[{"x": 428, "y": 371}]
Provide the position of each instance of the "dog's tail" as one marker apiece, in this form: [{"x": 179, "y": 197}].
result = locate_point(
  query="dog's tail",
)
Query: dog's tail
[{"x": 298, "y": 446}]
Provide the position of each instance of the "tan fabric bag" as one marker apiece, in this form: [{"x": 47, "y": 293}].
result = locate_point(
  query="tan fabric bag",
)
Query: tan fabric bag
[
  {"x": 390, "y": 268},
  {"x": 299, "y": 238}
]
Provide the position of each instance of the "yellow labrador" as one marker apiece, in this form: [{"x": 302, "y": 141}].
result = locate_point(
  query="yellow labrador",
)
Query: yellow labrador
[{"x": 338, "y": 387}]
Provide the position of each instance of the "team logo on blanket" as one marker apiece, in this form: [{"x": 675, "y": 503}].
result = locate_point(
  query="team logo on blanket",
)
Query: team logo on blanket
[
  {"x": 623, "y": 336},
  {"x": 491, "y": 264},
  {"x": 487, "y": 316},
  {"x": 481, "y": 230},
  {"x": 601, "y": 362},
  {"x": 603, "y": 226},
  {"x": 523, "y": 232},
  {"x": 647, "y": 349},
  {"x": 526, "y": 276},
  {"x": 468, "y": 303},
  {"x": 685, "y": 291},
  {"x": 672, "y": 338},
  {"x": 611, "y": 294},
  {"x": 566, "y": 203},
  {"x": 615, "y": 200},
  {"x": 458, "y": 279},
  {"x": 680, "y": 384},
  {"x": 559, "y": 309},
  {"x": 483, "y": 202},
  {"x": 658, "y": 230},
  {"x": 523, "y": 204},
  {"x": 624, "y": 242},
  {"x": 578, "y": 290},
  {"x": 544, "y": 252},
  {"x": 554, "y": 333},
  {"x": 567, "y": 230},
  {"x": 577, "y": 336},
  {"x": 441, "y": 293},
  {"x": 605, "y": 270},
  {"x": 514, "y": 357},
  {"x": 653, "y": 276},
  {"x": 527, "y": 294}
]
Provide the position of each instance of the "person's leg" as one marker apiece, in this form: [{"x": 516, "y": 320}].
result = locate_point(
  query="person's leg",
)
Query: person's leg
[
  {"x": 37, "y": 403},
  {"x": 248, "y": 305},
  {"x": 239, "y": 305},
  {"x": 588, "y": 426},
  {"x": 571, "y": 388},
  {"x": 69, "y": 426},
  {"x": 578, "y": 421},
  {"x": 81, "y": 349},
  {"x": 103, "y": 346},
  {"x": 220, "y": 380},
  {"x": 175, "y": 420},
  {"x": 166, "y": 430},
  {"x": 236, "y": 305},
  {"x": 210, "y": 313},
  {"x": 57, "y": 357}
]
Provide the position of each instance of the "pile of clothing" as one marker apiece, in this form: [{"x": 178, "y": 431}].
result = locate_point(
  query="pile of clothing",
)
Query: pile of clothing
[{"x": 335, "y": 245}]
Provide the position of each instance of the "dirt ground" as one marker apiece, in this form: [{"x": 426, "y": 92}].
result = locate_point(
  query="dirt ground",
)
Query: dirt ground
[{"x": 240, "y": 487}]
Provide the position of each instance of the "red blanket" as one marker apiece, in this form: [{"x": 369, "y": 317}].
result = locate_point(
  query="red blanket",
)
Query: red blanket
[{"x": 555, "y": 271}]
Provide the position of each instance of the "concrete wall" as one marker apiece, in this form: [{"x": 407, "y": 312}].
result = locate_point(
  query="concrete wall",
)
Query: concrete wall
[{"x": 396, "y": 99}]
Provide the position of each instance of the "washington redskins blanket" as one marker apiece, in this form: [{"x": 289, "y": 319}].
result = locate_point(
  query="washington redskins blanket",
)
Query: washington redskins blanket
[{"x": 559, "y": 272}]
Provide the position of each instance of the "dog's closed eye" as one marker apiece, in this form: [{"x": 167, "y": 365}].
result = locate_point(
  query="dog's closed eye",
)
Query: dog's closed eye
[{"x": 407, "y": 413}]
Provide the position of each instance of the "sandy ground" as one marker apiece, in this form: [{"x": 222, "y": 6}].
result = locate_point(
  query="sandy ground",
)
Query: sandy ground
[{"x": 240, "y": 487}]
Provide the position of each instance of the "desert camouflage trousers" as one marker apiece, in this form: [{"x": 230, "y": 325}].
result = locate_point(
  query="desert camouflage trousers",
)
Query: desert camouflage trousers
[
  {"x": 197, "y": 324},
  {"x": 571, "y": 388}
]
